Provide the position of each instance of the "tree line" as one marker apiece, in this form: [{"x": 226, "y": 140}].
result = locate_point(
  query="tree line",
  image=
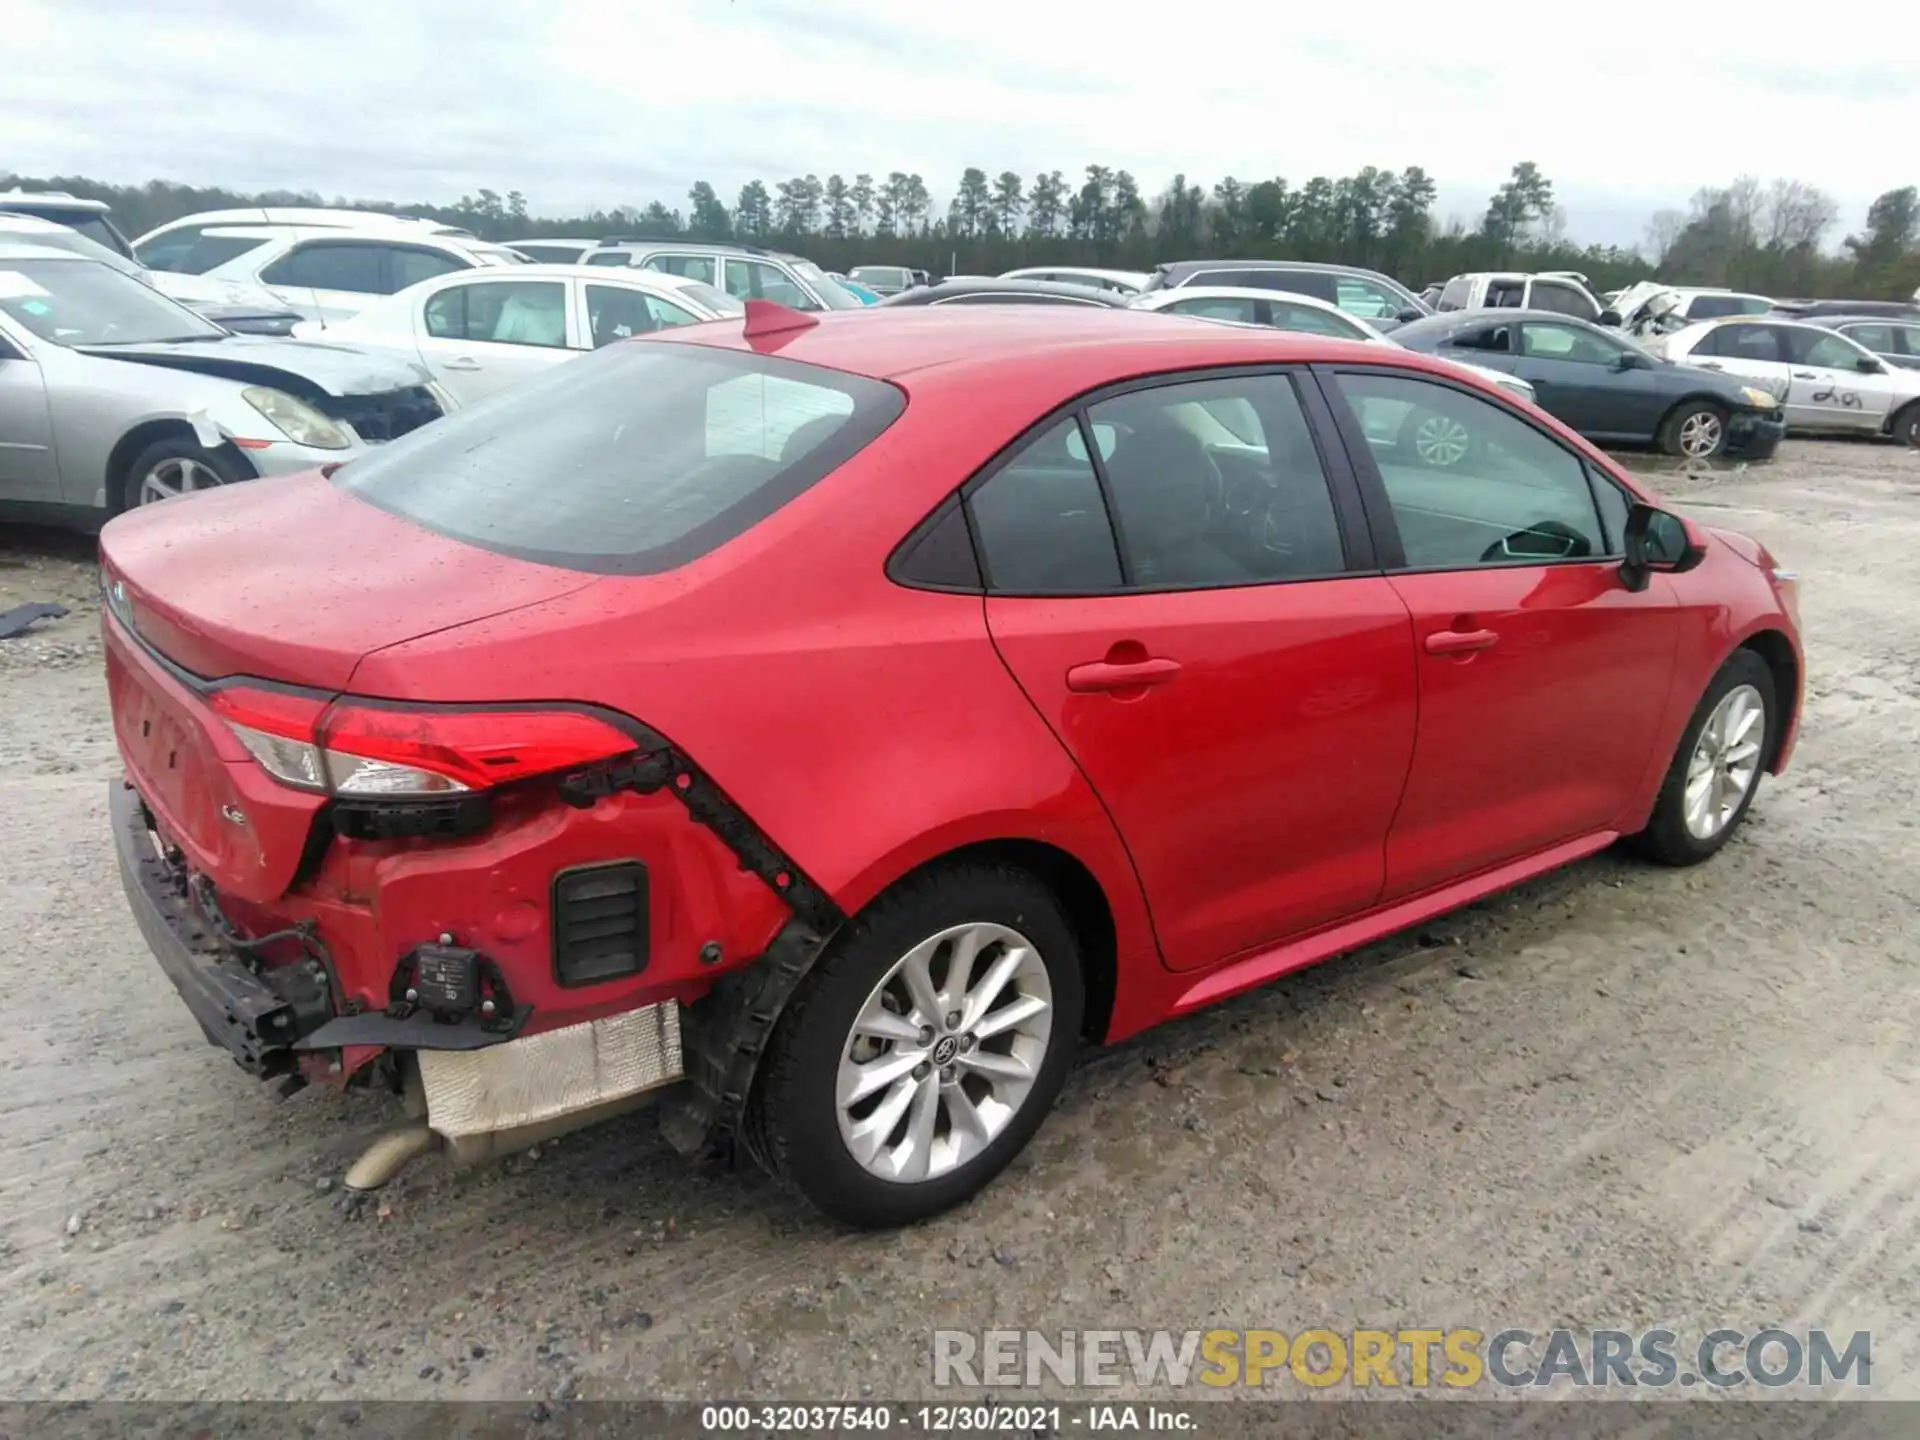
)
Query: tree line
[{"x": 1768, "y": 237}]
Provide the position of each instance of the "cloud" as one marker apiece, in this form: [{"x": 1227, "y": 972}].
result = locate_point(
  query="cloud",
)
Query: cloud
[{"x": 582, "y": 102}]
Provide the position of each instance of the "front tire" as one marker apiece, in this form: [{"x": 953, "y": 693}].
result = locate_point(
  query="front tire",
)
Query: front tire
[
  {"x": 177, "y": 466},
  {"x": 1696, "y": 430},
  {"x": 924, "y": 1050},
  {"x": 1906, "y": 425},
  {"x": 1716, "y": 772}
]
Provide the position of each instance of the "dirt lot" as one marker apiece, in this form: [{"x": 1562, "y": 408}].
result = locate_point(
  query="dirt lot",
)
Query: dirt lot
[{"x": 1620, "y": 1096}]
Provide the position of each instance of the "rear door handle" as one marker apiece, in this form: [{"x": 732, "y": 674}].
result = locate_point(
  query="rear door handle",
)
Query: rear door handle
[
  {"x": 461, "y": 362},
  {"x": 1460, "y": 642},
  {"x": 1104, "y": 675}
]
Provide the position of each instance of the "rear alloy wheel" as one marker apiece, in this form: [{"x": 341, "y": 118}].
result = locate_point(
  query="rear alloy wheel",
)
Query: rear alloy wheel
[
  {"x": 174, "y": 467},
  {"x": 924, "y": 1049},
  {"x": 1695, "y": 431},
  {"x": 1716, "y": 772}
]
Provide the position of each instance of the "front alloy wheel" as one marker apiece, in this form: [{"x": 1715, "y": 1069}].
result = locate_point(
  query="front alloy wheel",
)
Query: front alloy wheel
[
  {"x": 924, "y": 1048},
  {"x": 944, "y": 1052},
  {"x": 1714, "y": 775},
  {"x": 1725, "y": 761},
  {"x": 1701, "y": 435},
  {"x": 174, "y": 476}
]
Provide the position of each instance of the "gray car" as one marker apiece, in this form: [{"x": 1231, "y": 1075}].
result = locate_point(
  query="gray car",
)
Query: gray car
[
  {"x": 113, "y": 395},
  {"x": 745, "y": 272}
]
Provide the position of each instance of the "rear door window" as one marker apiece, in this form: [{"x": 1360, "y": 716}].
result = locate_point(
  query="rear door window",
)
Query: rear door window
[
  {"x": 331, "y": 265},
  {"x": 408, "y": 266},
  {"x": 506, "y": 312},
  {"x": 628, "y": 461},
  {"x": 692, "y": 267},
  {"x": 757, "y": 280},
  {"x": 1877, "y": 338},
  {"x": 1822, "y": 349},
  {"x": 1217, "y": 307},
  {"x": 1742, "y": 342},
  {"x": 1562, "y": 300}
]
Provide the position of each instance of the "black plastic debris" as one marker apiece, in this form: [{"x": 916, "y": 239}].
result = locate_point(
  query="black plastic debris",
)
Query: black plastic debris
[{"x": 15, "y": 621}]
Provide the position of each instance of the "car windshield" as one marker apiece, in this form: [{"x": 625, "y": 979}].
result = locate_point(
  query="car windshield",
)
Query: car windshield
[
  {"x": 716, "y": 300},
  {"x": 632, "y": 460},
  {"x": 59, "y": 237},
  {"x": 81, "y": 302},
  {"x": 828, "y": 289}
]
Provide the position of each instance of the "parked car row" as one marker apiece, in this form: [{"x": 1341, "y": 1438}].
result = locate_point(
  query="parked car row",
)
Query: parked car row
[{"x": 430, "y": 307}]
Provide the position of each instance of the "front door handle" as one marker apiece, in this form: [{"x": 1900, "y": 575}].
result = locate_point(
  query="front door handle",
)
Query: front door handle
[
  {"x": 1711, "y": 365},
  {"x": 1460, "y": 642},
  {"x": 1105, "y": 675},
  {"x": 461, "y": 362},
  {"x": 1805, "y": 375}
]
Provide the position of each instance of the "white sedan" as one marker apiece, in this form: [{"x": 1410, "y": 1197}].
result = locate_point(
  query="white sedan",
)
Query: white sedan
[
  {"x": 1284, "y": 310},
  {"x": 1828, "y": 382},
  {"x": 478, "y": 331}
]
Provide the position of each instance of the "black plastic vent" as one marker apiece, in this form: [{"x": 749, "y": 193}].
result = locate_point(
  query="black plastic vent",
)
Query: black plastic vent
[{"x": 599, "y": 922}]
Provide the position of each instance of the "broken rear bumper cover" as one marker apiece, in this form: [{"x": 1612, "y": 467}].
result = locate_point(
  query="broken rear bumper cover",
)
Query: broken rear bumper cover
[{"x": 477, "y": 1083}]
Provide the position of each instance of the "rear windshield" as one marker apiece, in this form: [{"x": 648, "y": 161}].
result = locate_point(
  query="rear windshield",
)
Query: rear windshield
[{"x": 631, "y": 460}]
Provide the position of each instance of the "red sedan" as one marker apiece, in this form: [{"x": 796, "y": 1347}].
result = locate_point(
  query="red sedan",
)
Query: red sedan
[{"x": 820, "y": 726}]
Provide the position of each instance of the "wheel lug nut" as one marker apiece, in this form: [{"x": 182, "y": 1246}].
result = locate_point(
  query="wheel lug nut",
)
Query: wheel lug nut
[
  {"x": 967, "y": 1042},
  {"x": 922, "y": 1070},
  {"x": 926, "y": 1034},
  {"x": 953, "y": 1020},
  {"x": 946, "y": 1073}
]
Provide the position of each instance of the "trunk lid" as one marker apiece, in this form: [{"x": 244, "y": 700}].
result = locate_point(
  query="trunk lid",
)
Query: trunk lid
[{"x": 294, "y": 580}]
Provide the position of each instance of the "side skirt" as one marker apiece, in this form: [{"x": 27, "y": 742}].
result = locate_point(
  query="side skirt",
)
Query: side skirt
[{"x": 1270, "y": 964}]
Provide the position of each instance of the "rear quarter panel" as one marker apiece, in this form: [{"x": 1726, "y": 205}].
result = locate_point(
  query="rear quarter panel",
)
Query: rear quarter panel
[{"x": 866, "y": 727}]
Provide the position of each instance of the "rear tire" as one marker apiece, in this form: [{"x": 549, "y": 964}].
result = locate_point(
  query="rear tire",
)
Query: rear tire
[
  {"x": 178, "y": 465},
  {"x": 1906, "y": 425},
  {"x": 1694, "y": 430},
  {"x": 946, "y": 1106},
  {"x": 1716, "y": 772}
]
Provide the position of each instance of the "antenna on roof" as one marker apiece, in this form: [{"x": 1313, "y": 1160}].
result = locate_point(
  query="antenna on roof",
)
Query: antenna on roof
[{"x": 768, "y": 317}]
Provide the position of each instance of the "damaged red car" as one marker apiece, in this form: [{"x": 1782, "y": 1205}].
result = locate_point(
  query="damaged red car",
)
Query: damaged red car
[{"x": 820, "y": 726}]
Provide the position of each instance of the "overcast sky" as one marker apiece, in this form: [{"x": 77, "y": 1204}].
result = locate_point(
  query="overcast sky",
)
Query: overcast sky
[{"x": 578, "y": 103}]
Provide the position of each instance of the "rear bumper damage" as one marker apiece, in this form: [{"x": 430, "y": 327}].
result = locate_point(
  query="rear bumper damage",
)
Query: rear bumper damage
[{"x": 482, "y": 1090}]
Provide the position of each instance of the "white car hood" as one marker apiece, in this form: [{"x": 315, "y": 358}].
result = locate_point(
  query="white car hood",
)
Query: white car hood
[{"x": 204, "y": 290}]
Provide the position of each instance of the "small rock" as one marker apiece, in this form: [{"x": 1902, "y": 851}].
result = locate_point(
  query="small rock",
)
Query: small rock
[
  {"x": 1811, "y": 1227},
  {"x": 324, "y": 1185},
  {"x": 74, "y": 1222},
  {"x": 1779, "y": 1202},
  {"x": 540, "y": 1414},
  {"x": 1323, "y": 1093},
  {"x": 478, "y": 1352},
  {"x": 173, "y": 1307},
  {"x": 743, "y": 1353},
  {"x": 429, "y": 1372},
  {"x": 1197, "y": 1123},
  {"x": 1005, "y": 1256},
  {"x": 1469, "y": 972}
]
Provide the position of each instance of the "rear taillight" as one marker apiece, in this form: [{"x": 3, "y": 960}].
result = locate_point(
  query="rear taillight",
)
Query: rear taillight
[{"x": 367, "y": 749}]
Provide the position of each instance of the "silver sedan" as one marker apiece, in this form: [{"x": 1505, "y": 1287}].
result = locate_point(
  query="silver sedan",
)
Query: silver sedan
[{"x": 113, "y": 395}]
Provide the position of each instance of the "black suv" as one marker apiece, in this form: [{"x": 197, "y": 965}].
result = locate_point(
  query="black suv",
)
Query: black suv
[{"x": 1378, "y": 299}]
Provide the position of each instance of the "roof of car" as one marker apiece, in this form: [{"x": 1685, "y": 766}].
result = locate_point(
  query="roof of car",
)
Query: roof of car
[
  {"x": 1173, "y": 267},
  {"x": 1448, "y": 320},
  {"x": 50, "y": 200},
  {"x": 1079, "y": 347},
  {"x": 922, "y": 295},
  {"x": 698, "y": 247},
  {"x": 1833, "y": 321}
]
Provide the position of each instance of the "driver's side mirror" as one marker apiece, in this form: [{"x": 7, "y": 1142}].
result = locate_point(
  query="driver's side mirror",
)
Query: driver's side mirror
[
  {"x": 1409, "y": 315},
  {"x": 1658, "y": 540},
  {"x": 1610, "y": 318},
  {"x": 1627, "y": 360},
  {"x": 1867, "y": 365}
]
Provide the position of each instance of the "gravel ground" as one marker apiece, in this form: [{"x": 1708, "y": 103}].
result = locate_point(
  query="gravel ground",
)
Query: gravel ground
[{"x": 1620, "y": 1096}]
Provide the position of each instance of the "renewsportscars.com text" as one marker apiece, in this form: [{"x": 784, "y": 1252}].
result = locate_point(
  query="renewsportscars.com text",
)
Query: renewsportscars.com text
[{"x": 1457, "y": 1358}]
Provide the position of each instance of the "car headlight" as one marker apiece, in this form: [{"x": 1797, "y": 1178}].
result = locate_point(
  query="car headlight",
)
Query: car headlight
[
  {"x": 1759, "y": 399},
  {"x": 296, "y": 419}
]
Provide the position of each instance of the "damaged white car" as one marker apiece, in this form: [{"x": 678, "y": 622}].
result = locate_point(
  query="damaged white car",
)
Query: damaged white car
[{"x": 113, "y": 395}]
